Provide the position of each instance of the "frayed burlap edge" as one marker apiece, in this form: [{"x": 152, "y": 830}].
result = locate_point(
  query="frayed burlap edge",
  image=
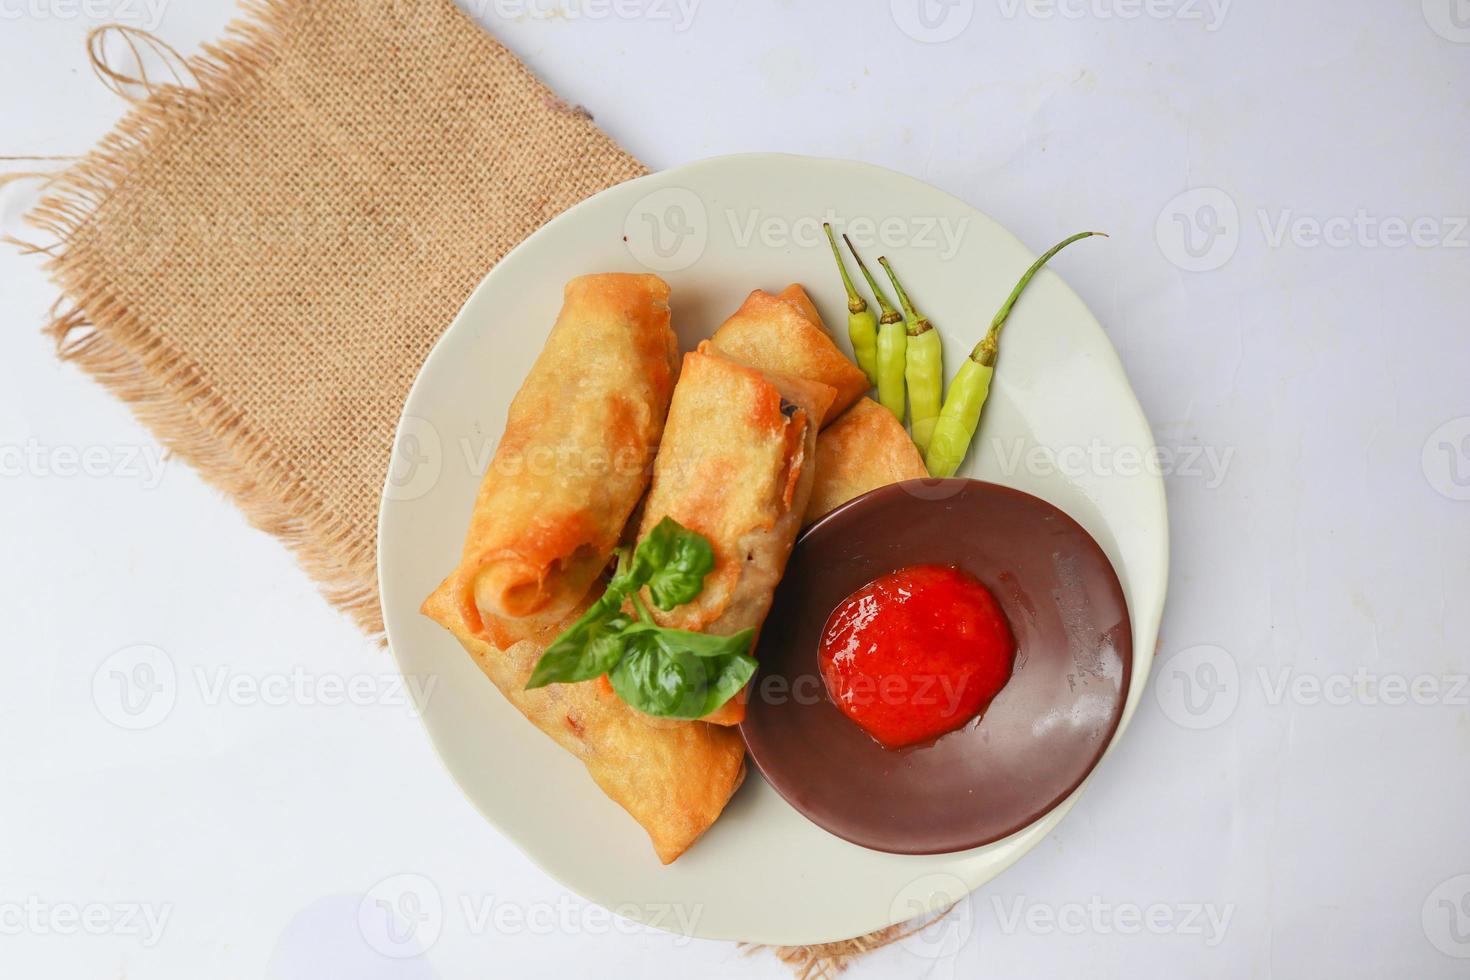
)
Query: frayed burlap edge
[
  {"x": 825, "y": 961},
  {"x": 164, "y": 390},
  {"x": 158, "y": 382}
]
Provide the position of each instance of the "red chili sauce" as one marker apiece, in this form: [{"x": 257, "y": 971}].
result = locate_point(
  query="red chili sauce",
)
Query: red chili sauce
[{"x": 916, "y": 653}]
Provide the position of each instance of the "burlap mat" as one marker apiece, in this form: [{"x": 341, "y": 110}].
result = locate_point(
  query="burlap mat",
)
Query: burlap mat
[{"x": 260, "y": 256}]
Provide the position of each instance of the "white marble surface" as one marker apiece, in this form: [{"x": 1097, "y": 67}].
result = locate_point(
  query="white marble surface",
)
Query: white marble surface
[{"x": 1292, "y": 800}]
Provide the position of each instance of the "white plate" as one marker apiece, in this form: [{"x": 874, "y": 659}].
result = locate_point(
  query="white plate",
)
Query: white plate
[{"x": 1062, "y": 423}]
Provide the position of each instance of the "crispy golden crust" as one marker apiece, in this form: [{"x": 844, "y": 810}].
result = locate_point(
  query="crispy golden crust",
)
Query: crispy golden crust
[
  {"x": 573, "y": 460},
  {"x": 796, "y": 295},
  {"x": 673, "y": 778},
  {"x": 865, "y": 448},
  {"x": 736, "y": 466},
  {"x": 785, "y": 334}
]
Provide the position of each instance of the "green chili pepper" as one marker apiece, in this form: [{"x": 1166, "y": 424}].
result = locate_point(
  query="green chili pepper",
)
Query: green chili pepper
[
  {"x": 862, "y": 324},
  {"x": 923, "y": 366},
  {"x": 960, "y": 415},
  {"x": 892, "y": 343}
]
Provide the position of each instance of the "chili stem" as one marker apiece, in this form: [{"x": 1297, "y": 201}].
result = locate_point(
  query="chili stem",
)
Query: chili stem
[
  {"x": 923, "y": 365},
  {"x": 862, "y": 323},
  {"x": 882, "y": 298},
  {"x": 989, "y": 344},
  {"x": 892, "y": 344},
  {"x": 968, "y": 392}
]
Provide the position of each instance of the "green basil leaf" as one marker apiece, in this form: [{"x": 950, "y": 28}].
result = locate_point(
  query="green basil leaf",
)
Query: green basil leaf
[
  {"x": 647, "y": 680},
  {"x": 699, "y": 644},
  {"x": 588, "y": 648},
  {"x": 673, "y": 561},
  {"x": 653, "y": 550},
  {"x": 666, "y": 673},
  {"x": 728, "y": 676},
  {"x": 661, "y": 674}
]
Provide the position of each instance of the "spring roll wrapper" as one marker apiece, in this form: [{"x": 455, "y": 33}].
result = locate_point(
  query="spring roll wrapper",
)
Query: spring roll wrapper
[
  {"x": 785, "y": 334},
  {"x": 865, "y": 448},
  {"x": 575, "y": 455},
  {"x": 796, "y": 295},
  {"x": 673, "y": 778},
  {"x": 738, "y": 469}
]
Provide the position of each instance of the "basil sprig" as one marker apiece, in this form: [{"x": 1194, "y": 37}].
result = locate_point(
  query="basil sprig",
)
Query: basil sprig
[{"x": 666, "y": 673}]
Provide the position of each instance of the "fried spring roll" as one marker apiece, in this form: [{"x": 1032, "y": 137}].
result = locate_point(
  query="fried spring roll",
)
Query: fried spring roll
[
  {"x": 865, "y": 448},
  {"x": 674, "y": 778},
  {"x": 574, "y": 459},
  {"x": 795, "y": 294},
  {"x": 736, "y": 465},
  {"x": 785, "y": 334}
]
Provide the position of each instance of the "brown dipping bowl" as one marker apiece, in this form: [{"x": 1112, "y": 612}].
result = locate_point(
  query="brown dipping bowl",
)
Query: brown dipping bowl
[{"x": 1041, "y": 735}]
